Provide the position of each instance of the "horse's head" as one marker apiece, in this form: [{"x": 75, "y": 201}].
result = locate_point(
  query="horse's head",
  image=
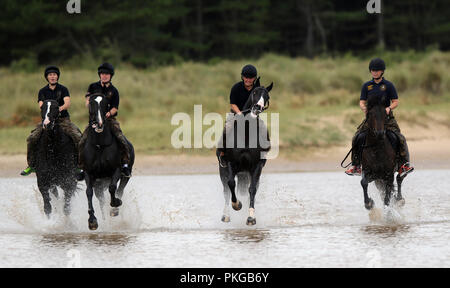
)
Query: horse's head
[
  {"x": 97, "y": 111},
  {"x": 258, "y": 100},
  {"x": 49, "y": 114},
  {"x": 376, "y": 115}
]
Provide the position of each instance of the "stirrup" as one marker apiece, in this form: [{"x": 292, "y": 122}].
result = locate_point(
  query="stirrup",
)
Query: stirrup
[{"x": 27, "y": 171}]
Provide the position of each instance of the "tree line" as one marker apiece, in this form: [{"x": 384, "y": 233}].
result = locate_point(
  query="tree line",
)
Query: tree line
[{"x": 157, "y": 32}]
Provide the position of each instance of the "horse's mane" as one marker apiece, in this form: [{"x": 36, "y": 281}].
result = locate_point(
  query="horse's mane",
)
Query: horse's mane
[{"x": 375, "y": 100}]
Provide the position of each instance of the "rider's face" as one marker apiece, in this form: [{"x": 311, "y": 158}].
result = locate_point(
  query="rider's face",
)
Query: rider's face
[
  {"x": 52, "y": 78},
  {"x": 248, "y": 82},
  {"x": 376, "y": 73},
  {"x": 105, "y": 77}
]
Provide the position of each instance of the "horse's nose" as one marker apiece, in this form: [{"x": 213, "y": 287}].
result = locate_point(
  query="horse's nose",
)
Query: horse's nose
[{"x": 257, "y": 108}]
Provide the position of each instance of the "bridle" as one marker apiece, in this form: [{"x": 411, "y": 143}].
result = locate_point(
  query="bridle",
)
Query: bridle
[{"x": 253, "y": 108}]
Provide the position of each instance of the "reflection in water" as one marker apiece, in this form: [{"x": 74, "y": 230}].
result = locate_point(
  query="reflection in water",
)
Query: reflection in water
[
  {"x": 387, "y": 230},
  {"x": 105, "y": 239},
  {"x": 246, "y": 236}
]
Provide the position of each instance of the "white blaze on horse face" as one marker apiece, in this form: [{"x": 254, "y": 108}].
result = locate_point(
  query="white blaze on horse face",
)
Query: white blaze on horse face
[
  {"x": 46, "y": 119},
  {"x": 261, "y": 102},
  {"x": 98, "y": 100}
]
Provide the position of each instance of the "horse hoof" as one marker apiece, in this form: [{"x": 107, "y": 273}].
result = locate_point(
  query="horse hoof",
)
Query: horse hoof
[
  {"x": 401, "y": 202},
  {"x": 369, "y": 205},
  {"x": 225, "y": 219},
  {"x": 237, "y": 206},
  {"x": 251, "y": 221},
  {"x": 116, "y": 203},
  {"x": 93, "y": 225},
  {"x": 114, "y": 212}
]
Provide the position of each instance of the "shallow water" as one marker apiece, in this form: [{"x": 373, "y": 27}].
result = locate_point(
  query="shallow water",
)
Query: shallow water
[{"x": 303, "y": 220}]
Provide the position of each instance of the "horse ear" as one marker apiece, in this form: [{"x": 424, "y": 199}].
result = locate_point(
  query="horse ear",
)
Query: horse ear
[
  {"x": 269, "y": 87},
  {"x": 257, "y": 84}
]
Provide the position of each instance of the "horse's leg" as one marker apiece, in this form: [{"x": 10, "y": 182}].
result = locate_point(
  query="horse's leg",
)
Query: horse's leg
[
  {"x": 44, "y": 188},
  {"x": 226, "y": 194},
  {"x": 251, "y": 220},
  {"x": 93, "y": 225},
  {"x": 114, "y": 211},
  {"x": 236, "y": 204},
  {"x": 399, "y": 198},
  {"x": 123, "y": 183},
  {"x": 115, "y": 202},
  {"x": 99, "y": 187},
  {"x": 54, "y": 191},
  {"x": 69, "y": 190},
  {"x": 368, "y": 202},
  {"x": 388, "y": 188}
]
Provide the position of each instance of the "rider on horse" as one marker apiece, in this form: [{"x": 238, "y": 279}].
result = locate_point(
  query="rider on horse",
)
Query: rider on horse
[
  {"x": 105, "y": 87},
  {"x": 238, "y": 97},
  {"x": 58, "y": 92},
  {"x": 380, "y": 87}
]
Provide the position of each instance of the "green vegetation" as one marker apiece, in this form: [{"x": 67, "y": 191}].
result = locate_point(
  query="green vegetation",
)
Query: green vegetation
[
  {"x": 317, "y": 99},
  {"x": 161, "y": 32}
]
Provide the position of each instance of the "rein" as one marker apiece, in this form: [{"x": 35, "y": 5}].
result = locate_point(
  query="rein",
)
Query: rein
[{"x": 263, "y": 109}]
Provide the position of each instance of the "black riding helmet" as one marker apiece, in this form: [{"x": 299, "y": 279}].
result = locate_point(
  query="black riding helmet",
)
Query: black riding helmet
[
  {"x": 106, "y": 68},
  {"x": 51, "y": 69},
  {"x": 377, "y": 64},
  {"x": 249, "y": 71}
]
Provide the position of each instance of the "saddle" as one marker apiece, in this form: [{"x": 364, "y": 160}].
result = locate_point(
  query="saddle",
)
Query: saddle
[{"x": 393, "y": 138}]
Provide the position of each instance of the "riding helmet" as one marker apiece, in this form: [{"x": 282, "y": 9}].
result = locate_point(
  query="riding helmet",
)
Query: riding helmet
[
  {"x": 106, "y": 68},
  {"x": 51, "y": 69},
  {"x": 377, "y": 64},
  {"x": 249, "y": 71}
]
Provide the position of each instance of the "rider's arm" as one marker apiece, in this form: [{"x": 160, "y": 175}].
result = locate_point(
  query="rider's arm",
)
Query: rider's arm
[
  {"x": 114, "y": 104},
  {"x": 66, "y": 104},
  {"x": 40, "y": 98},
  {"x": 392, "y": 93},
  {"x": 235, "y": 108},
  {"x": 112, "y": 112},
  {"x": 394, "y": 104},
  {"x": 88, "y": 93},
  {"x": 363, "y": 98},
  {"x": 363, "y": 105}
]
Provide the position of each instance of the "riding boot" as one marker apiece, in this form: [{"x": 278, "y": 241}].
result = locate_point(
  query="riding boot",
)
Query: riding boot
[
  {"x": 123, "y": 143},
  {"x": 405, "y": 167},
  {"x": 357, "y": 144},
  {"x": 403, "y": 149},
  {"x": 81, "y": 143},
  {"x": 74, "y": 133},
  {"x": 31, "y": 143}
]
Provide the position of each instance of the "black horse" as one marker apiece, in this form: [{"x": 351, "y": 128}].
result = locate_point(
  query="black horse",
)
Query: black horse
[
  {"x": 379, "y": 154},
  {"x": 101, "y": 158},
  {"x": 245, "y": 158},
  {"x": 56, "y": 159}
]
